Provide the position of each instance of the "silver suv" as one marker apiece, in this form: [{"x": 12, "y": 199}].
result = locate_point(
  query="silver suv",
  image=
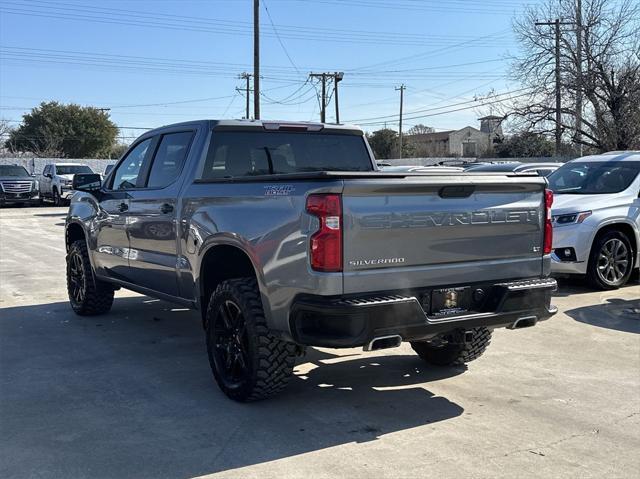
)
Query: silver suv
[{"x": 596, "y": 218}]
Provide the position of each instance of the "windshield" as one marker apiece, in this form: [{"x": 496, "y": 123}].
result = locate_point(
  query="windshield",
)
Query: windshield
[
  {"x": 72, "y": 169},
  {"x": 13, "y": 170},
  {"x": 247, "y": 153},
  {"x": 593, "y": 178}
]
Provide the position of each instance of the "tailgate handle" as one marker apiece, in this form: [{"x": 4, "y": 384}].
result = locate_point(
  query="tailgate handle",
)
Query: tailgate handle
[{"x": 456, "y": 191}]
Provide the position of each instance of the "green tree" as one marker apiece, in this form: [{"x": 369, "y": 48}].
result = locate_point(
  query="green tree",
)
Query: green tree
[
  {"x": 383, "y": 143},
  {"x": 57, "y": 130},
  {"x": 525, "y": 145},
  {"x": 419, "y": 129},
  {"x": 117, "y": 150}
]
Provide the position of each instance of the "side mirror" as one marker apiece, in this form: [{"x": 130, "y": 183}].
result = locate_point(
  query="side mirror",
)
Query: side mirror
[
  {"x": 47, "y": 175},
  {"x": 88, "y": 182}
]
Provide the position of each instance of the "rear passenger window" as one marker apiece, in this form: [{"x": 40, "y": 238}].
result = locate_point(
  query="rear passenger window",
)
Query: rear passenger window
[
  {"x": 250, "y": 153},
  {"x": 169, "y": 159}
]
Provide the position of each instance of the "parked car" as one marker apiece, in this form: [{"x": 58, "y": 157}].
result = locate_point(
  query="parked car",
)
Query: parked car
[
  {"x": 596, "y": 218},
  {"x": 17, "y": 186},
  {"x": 107, "y": 170},
  {"x": 57, "y": 179},
  {"x": 542, "y": 169},
  {"x": 284, "y": 235}
]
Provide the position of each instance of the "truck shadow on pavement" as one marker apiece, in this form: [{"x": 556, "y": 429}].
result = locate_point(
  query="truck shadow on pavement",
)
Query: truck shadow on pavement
[
  {"x": 616, "y": 313},
  {"x": 130, "y": 394}
]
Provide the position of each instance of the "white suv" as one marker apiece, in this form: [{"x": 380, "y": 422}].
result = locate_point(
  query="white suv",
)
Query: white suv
[{"x": 596, "y": 218}]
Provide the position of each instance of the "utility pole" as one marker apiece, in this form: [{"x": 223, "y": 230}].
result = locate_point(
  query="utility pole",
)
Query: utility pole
[
  {"x": 246, "y": 76},
  {"x": 579, "y": 76},
  {"x": 323, "y": 101},
  {"x": 256, "y": 59},
  {"x": 337, "y": 77},
  {"x": 323, "y": 112},
  {"x": 401, "y": 88},
  {"x": 558, "y": 97},
  {"x": 557, "y": 23}
]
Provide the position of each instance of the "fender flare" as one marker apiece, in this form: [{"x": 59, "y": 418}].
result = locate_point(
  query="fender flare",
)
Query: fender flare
[{"x": 244, "y": 246}]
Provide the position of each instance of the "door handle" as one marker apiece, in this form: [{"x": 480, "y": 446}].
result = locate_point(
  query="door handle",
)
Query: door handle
[
  {"x": 166, "y": 208},
  {"x": 122, "y": 207}
]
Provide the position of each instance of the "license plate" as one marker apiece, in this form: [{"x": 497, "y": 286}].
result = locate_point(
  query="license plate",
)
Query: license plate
[{"x": 450, "y": 301}]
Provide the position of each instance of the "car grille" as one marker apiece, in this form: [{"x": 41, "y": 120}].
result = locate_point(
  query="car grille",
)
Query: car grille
[{"x": 16, "y": 186}]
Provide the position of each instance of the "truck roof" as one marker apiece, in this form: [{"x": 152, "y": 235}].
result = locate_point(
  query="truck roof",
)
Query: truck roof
[{"x": 269, "y": 125}]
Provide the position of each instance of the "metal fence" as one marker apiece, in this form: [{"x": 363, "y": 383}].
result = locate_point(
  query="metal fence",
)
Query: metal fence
[{"x": 36, "y": 165}]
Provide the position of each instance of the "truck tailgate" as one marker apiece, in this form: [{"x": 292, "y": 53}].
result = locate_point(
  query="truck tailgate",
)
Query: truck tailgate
[{"x": 441, "y": 230}]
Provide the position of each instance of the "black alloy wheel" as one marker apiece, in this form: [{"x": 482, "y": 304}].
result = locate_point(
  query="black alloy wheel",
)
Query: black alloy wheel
[
  {"x": 77, "y": 279},
  {"x": 231, "y": 348}
]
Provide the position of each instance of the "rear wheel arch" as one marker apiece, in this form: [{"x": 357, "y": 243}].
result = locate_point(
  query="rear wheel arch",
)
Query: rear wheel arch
[
  {"x": 74, "y": 232},
  {"x": 221, "y": 263},
  {"x": 624, "y": 228}
]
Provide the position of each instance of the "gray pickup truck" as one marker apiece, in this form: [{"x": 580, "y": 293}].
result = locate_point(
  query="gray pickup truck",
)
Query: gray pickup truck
[{"x": 286, "y": 235}]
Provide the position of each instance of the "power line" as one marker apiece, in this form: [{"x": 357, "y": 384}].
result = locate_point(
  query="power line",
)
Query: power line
[
  {"x": 450, "y": 7},
  {"x": 433, "y": 52},
  {"x": 454, "y": 110},
  {"x": 278, "y": 37},
  {"x": 138, "y": 63},
  {"x": 74, "y": 12},
  {"x": 441, "y": 107}
]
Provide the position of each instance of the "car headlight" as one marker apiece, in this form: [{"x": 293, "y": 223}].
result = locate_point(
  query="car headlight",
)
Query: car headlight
[
  {"x": 571, "y": 218},
  {"x": 36, "y": 185}
]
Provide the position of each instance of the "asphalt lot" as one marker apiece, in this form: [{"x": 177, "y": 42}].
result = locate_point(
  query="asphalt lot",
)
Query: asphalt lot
[{"x": 130, "y": 394}]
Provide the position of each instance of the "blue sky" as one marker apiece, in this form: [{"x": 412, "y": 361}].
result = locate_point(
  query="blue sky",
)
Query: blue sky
[{"x": 164, "y": 61}]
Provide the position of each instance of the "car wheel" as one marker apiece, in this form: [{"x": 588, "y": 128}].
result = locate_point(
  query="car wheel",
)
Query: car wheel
[
  {"x": 247, "y": 361},
  {"x": 88, "y": 296},
  {"x": 610, "y": 261},
  {"x": 57, "y": 201}
]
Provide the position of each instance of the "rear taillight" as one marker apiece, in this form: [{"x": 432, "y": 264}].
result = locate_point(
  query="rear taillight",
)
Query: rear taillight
[
  {"x": 326, "y": 243},
  {"x": 548, "y": 229}
]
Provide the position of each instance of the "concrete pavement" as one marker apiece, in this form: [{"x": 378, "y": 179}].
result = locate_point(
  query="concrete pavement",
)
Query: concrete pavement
[{"x": 130, "y": 394}]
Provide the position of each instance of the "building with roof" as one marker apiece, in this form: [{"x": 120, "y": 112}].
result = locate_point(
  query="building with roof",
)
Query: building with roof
[{"x": 468, "y": 142}]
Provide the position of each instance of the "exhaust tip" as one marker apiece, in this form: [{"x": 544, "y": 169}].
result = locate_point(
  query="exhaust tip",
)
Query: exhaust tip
[
  {"x": 384, "y": 342},
  {"x": 525, "y": 322}
]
